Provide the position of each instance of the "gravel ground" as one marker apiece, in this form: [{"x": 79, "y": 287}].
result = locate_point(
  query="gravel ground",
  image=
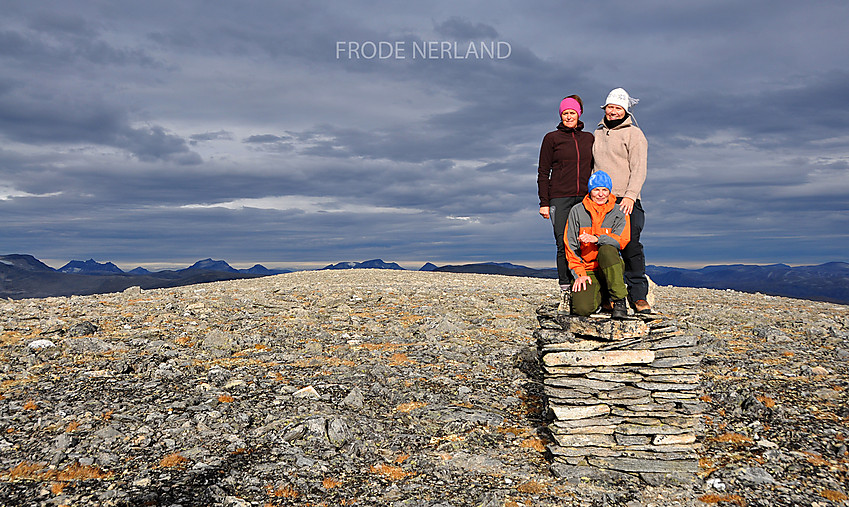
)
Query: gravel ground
[{"x": 375, "y": 387}]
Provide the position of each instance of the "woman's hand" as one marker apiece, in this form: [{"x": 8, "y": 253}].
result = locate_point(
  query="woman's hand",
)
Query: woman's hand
[
  {"x": 626, "y": 205},
  {"x": 581, "y": 283},
  {"x": 545, "y": 212},
  {"x": 586, "y": 237}
]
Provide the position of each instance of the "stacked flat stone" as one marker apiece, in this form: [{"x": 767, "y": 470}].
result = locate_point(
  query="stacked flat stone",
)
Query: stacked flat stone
[{"x": 624, "y": 395}]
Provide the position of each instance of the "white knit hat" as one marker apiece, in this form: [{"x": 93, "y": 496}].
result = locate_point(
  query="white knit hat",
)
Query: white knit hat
[{"x": 620, "y": 97}]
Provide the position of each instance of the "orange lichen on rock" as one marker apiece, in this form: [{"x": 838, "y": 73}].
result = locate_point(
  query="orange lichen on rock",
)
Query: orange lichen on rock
[
  {"x": 10, "y": 337},
  {"x": 834, "y": 496},
  {"x": 330, "y": 483},
  {"x": 534, "y": 443},
  {"x": 531, "y": 487},
  {"x": 733, "y": 438},
  {"x": 767, "y": 401},
  {"x": 173, "y": 460},
  {"x": 735, "y": 499},
  {"x": 37, "y": 471},
  {"x": 76, "y": 471},
  {"x": 25, "y": 470},
  {"x": 390, "y": 472},
  {"x": 286, "y": 491},
  {"x": 815, "y": 459},
  {"x": 398, "y": 359},
  {"x": 409, "y": 407}
]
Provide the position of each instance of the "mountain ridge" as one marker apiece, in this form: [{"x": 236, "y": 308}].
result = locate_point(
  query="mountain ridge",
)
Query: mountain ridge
[
  {"x": 24, "y": 276},
  {"x": 90, "y": 267},
  {"x": 370, "y": 264},
  {"x": 823, "y": 282}
]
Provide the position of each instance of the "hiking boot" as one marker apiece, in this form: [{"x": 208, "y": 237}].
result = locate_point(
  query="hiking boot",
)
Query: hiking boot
[
  {"x": 642, "y": 306},
  {"x": 606, "y": 307},
  {"x": 620, "y": 309},
  {"x": 565, "y": 306}
]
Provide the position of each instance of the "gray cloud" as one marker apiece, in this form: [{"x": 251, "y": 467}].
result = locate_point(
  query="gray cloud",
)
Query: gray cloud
[
  {"x": 46, "y": 116},
  {"x": 210, "y": 136},
  {"x": 64, "y": 42},
  {"x": 460, "y": 28},
  {"x": 155, "y": 143},
  {"x": 264, "y": 138}
]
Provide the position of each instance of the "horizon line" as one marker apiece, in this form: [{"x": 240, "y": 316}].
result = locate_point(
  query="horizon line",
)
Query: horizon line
[{"x": 405, "y": 264}]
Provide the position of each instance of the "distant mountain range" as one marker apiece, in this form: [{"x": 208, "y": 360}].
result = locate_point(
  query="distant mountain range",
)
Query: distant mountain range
[
  {"x": 92, "y": 267},
  {"x": 24, "y": 276},
  {"x": 825, "y": 282},
  {"x": 372, "y": 264},
  {"x": 500, "y": 268}
]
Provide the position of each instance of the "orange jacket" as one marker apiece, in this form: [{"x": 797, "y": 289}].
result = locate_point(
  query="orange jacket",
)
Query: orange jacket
[{"x": 606, "y": 221}]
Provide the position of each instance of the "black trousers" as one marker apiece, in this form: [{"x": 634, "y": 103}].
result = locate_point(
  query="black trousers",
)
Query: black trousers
[
  {"x": 559, "y": 213},
  {"x": 634, "y": 257}
]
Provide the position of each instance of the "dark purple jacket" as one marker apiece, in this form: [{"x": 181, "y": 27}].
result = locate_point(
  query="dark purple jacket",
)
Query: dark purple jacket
[{"x": 565, "y": 163}]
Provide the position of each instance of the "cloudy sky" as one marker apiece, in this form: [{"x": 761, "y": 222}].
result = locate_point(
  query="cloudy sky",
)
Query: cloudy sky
[{"x": 298, "y": 134}]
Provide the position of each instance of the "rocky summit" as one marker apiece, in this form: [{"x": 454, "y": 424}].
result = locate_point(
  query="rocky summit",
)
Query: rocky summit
[{"x": 396, "y": 388}]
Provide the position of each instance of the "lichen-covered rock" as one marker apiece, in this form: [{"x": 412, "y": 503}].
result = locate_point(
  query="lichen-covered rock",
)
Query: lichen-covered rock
[{"x": 599, "y": 358}]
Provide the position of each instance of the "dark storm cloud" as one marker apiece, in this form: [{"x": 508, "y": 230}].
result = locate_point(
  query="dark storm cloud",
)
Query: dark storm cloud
[
  {"x": 35, "y": 109},
  {"x": 34, "y": 118}
]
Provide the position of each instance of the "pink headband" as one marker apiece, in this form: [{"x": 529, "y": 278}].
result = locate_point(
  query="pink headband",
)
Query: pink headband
[{"x": 570, "y": 103}]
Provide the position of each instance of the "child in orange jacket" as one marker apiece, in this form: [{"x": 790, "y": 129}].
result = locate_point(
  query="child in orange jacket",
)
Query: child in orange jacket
[{"x": 595, "y": 232}]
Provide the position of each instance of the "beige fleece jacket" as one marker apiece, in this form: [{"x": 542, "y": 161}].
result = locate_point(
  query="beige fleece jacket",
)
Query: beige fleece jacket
[{"x": 622, "y": 152}]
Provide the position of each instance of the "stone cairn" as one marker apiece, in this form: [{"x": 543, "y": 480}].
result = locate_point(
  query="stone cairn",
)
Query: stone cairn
[{"x": 623, "y": 395}]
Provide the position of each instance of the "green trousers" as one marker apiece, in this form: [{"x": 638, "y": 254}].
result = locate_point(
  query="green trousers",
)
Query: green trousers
[{"x": 608, "y": 279}]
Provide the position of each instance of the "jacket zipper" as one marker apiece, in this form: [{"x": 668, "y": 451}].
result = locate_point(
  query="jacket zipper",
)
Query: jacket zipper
[{"x": 577, "y": 169}]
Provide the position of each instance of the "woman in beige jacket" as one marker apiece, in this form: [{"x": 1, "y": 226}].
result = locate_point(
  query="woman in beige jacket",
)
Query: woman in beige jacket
[{"x": 621, "y": 150}]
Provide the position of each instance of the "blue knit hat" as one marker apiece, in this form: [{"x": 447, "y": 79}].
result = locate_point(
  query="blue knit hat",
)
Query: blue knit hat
[{"x": 599, "y": 179}]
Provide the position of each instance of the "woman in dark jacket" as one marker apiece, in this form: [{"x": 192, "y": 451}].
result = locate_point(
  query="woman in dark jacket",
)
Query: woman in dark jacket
[{"x": 565, "y": 164}]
